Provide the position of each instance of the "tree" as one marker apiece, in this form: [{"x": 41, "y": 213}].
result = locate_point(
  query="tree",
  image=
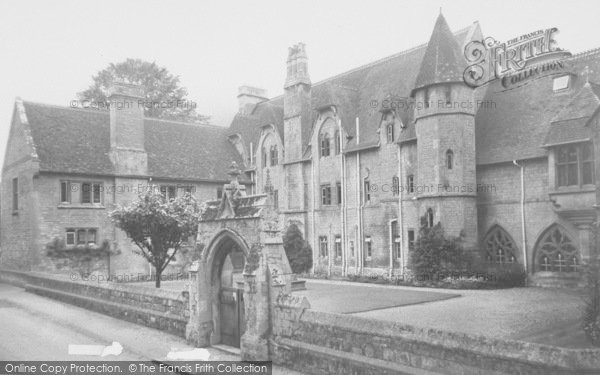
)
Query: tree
[
  {"x": 157, "y": 226},
  {"x": 164, "y": 97},
  {"x": 298, "y": 251}
]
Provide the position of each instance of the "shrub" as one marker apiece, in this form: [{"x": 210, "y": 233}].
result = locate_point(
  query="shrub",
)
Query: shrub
[
  {"x": 435, "y": 254},
  {"x": 298, "y": 251},
  {"x": 500, "y": 275}
]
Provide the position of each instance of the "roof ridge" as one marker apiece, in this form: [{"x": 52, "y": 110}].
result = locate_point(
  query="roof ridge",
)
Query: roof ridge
[
  {"x": 584, "y": 53},
  {"x": 102, "y": 111},
  {"x": 378, "y": 61},
  {"x": 106, "y": 112}
]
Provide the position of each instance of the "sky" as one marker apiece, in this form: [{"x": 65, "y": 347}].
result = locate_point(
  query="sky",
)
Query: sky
[{"x": 51, "y": 49}]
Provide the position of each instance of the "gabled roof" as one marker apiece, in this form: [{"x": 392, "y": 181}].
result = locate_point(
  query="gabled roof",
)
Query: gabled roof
[
  {"x": 570, "y": 124},
  {"x": 443, "y": 60},
  {"x": 514, "y": 124},
  {"x": 72, "y": 140},
  {"x": 357, "y": 93}
]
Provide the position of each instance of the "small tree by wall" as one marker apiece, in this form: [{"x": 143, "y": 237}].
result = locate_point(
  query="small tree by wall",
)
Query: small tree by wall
[
  {"x": 434, "y": 253},
  {"x": 298, "y": 251},
  {"x": 157, "y": 225}
]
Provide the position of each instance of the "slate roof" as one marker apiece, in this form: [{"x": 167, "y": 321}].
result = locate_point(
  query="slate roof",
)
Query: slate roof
[
  {"x": 443, "y": 60},
  {"x": 359, "y": 92},
  {"x": 570, "y": 125},
  {"x": 517, "y": 124},
  {"x": 78, "y": 141}
]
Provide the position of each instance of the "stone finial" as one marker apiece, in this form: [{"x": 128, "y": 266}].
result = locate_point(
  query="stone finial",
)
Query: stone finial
[{"x": 234, "y": 171}]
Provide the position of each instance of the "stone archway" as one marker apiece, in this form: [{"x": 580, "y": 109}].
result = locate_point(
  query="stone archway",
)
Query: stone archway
[{"x": 225, "y": 260}]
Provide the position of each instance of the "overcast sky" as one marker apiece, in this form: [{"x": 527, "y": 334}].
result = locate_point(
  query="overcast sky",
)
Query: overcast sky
[{"x": 50, "y": 49}]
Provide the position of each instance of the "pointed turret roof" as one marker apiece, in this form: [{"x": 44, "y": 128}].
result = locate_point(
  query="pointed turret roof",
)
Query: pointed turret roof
[{"x": 443, "y": 60}]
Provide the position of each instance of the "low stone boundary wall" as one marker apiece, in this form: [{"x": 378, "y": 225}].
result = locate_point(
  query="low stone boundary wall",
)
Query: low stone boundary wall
[
  {"x": 166, "y": 310},
  {"x": 326, "y": 343}
]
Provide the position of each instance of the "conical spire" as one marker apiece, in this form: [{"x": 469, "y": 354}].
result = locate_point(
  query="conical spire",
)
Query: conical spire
[{"x": 443, "y": 60}]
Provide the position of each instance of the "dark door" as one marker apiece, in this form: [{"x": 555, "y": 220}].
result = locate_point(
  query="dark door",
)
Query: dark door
[{"x": 232, "y": 315}]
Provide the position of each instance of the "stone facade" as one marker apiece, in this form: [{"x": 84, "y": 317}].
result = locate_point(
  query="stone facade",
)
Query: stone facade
[{"x": 359, "y": 177}]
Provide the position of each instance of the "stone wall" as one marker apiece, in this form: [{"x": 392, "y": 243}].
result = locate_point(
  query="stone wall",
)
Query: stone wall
[
  {"x": 166, "y": 310},
  {"x": 323, "y": 343}
]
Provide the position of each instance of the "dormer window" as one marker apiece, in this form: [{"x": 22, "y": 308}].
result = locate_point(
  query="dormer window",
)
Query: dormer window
[
  {"x": 575, "y": 165},
  {"x": 324, "y": 145},
  {"x": 390, "y": 132},
  {"x": 561, "y": 83},
  {"x": 274, "y": 155}
]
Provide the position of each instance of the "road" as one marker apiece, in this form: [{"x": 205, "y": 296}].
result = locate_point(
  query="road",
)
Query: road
[{"x": 38, "y": 328}]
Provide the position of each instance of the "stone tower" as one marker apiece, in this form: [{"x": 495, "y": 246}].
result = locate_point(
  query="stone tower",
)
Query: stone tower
[
  {"x": 445, "y": 126},
  {"x": 297, "y": 123}
]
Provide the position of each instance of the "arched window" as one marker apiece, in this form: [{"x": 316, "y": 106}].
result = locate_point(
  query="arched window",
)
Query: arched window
[
  {"x": 449, "y": 159},
  {"x": 324, "y": 145},
  {"x": 390, "y": 132},
  {"x": 430, "y": 218},
  {"x": 499, "y": 246},
  {"x": 395, "y": 185},
  {"x": 264, "y": 158},
  {"x": 556, "y": 251},
  {"x": 337, "y": 142},
  {"x": 274, "y": 155}
]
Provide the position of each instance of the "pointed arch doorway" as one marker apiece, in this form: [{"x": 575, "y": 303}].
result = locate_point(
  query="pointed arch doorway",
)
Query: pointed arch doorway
[{"x": 226, "y": 259}]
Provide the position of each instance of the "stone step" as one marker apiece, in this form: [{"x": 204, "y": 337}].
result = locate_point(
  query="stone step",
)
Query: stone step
[{"x": 337, "y": 362}]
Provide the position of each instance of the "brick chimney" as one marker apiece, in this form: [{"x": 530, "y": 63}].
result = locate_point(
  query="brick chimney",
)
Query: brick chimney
[
  {"x": 127, "y": 129},
  {"x": 248, "y": 97}
]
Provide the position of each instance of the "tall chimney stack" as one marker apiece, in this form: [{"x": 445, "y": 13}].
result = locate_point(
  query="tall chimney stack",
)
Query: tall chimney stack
[
  {"x": 248, "y": 97},
  {"x": 127, "y": 150}
]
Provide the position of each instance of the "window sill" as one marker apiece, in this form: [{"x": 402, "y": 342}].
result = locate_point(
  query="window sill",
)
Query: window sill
[
  {"x": 573, "y": 190},
  {"x": 91, "y": 206}
]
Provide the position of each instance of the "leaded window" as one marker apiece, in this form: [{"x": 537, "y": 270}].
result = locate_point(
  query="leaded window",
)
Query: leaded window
[
  {"x": 556, "y": 252},
  {"x": 575, "y": 165},
  {"x": 499, "y": 246}
]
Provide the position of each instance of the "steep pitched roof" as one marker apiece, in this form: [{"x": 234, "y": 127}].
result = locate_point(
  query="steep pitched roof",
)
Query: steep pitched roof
[
  {"x": 514, "y": 124},
  {"x": 443, "y": 60},
  {"x": 78, "y": 141},
  {"x": 570, "y": 124},
  {"x": 358, "y": 93}
]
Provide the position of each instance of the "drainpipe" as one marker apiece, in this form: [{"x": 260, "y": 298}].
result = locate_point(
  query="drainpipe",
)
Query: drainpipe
[
  {"x": 312, "y": 193},
  {"x": 523, "y": 233},
  {"x": 343, "y": 200},
  {"x": 391, "y": 226},
  {"x": 359, "y": 205},
  {"x": 400, "y": 221}
]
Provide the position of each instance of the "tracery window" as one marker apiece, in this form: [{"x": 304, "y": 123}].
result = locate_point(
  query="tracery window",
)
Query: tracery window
[
  {"x": 556, "y": 252},
  {"x": 499, "y": 246}
]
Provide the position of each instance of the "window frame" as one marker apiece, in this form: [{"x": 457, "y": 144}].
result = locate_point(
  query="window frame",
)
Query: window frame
[
  {"x": 411, "y": 239},
  {"x": 326, "y": 195},
  {"x": 367, "y": 191},
  {"x": 449, "y": 159},
  {"x": 338, "y": 246},
  {"x": 81, "y": 236},
  {"x": 325, "y": 146},
  {"x": 369, "y": 247},
  {"x": 323, "y": 247},
  {"x": 565, "y": 168},
  {"x": 15, "y": 194},
  {"x": 338, "y": 192},
  {"x": 389, "y": 132},
  {"x": 410, "y": 183}
]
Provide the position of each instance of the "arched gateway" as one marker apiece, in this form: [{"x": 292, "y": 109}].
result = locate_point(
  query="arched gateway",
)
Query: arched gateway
[{"x": 242, "y": 254}]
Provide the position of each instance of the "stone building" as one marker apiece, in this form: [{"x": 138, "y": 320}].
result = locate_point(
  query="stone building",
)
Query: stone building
[
  {"x": 355, "y": 160},
  {"x": 65, "y": 169},
  {"x": 359, "y": 158}
]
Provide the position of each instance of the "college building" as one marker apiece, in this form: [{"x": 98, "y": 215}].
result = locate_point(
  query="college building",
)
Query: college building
[{"x": 359, "y": 161}]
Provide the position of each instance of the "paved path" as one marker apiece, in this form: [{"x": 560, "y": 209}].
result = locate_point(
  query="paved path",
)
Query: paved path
[
  {"x": 541, "y": 315},
  {"x": 37, "y": 328}
]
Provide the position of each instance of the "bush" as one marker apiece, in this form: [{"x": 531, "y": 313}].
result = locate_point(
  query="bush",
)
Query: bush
[
  {"x": 435, "y": 254},
  {"x": 298, "y": 251},
  {"x": 500, "y": 275}
]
